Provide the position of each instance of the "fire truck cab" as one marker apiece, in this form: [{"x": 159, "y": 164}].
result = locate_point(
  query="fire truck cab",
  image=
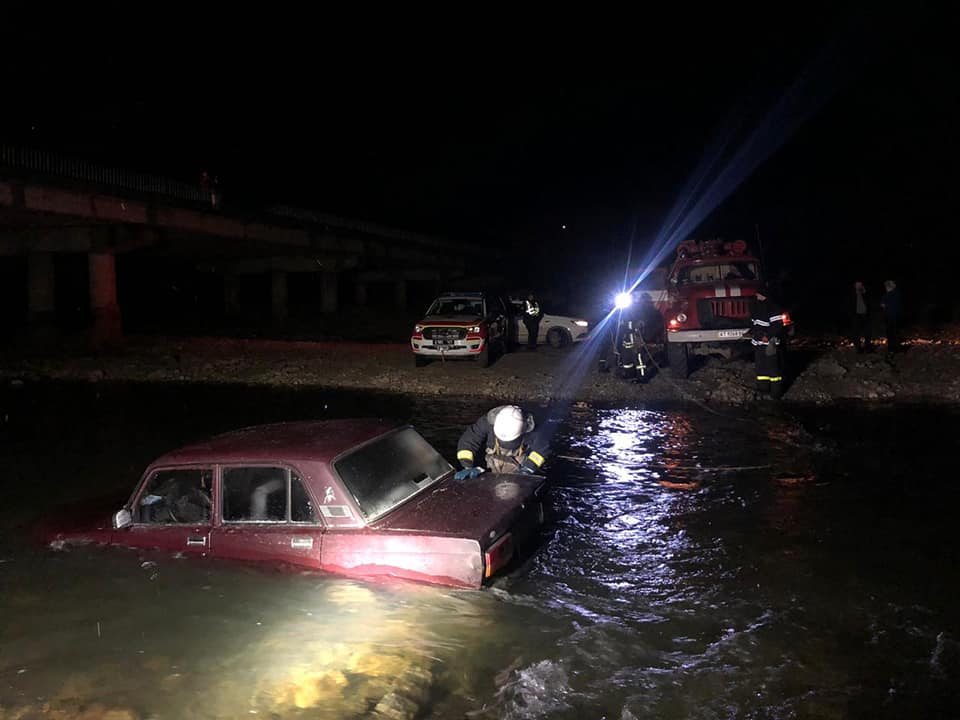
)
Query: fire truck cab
[{"x": 705, "y": 300}]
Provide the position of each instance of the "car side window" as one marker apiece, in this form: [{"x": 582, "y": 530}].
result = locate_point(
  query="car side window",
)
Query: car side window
[
  {"x": 176, "y": 496},
  {"x": 265, "y": 494}
]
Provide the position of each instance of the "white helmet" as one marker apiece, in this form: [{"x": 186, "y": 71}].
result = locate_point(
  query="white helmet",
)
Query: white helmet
[{"x": 509, "y": 424}]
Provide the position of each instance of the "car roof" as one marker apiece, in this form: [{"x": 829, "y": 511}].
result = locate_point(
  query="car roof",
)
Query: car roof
[{"x": 314, "y": 441}]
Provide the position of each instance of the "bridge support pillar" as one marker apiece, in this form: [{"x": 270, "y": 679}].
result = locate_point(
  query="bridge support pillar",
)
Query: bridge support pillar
[
  {"x": 278, "y": 304},
  {"x": 41, "y": 294},
  {"x": 231, "y": 296},
  {"x": 360, "y": 294},
  {"x": 328, "y": 292},
  {"x": 400, "y": 294},
  {"x": 107, "y": 325}
]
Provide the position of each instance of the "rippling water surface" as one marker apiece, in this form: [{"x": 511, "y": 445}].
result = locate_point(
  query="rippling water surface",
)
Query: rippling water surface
[{"x": 784, "y": 564}]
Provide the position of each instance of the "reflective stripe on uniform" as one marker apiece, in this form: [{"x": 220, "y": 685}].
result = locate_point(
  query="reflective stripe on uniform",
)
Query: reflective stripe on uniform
[
  {"x": 465, "y": 455},
  {"x": 763, "y": 323},
  {"x": 776, "y": 379},
  {"x": 776, "y": 318},
  {"x": 536, "y": 458},
  {"x": 763, "y": 377}
]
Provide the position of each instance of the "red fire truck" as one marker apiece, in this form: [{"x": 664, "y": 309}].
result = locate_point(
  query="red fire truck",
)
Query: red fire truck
[{"x": 704, "y": 299}]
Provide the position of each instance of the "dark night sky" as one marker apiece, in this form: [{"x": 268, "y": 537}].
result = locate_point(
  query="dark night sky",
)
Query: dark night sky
[{"x": 505, "y": 128}]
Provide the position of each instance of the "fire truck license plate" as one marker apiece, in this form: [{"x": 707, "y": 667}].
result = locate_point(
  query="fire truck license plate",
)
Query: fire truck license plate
[{"x": 731, "y": 333}]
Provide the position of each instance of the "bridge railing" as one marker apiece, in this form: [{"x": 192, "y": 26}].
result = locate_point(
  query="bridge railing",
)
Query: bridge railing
[{"x": 46, "y": 163}]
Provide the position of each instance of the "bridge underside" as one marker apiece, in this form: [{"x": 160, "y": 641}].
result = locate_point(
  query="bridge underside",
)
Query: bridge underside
[{"x": 148, "y": 258}]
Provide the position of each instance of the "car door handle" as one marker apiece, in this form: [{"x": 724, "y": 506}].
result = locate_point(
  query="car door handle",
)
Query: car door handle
[{"x": 192, "y": 541}]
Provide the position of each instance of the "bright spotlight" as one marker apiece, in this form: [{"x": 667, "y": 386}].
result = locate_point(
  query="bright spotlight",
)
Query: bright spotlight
[{"x": 623, "y": 300}]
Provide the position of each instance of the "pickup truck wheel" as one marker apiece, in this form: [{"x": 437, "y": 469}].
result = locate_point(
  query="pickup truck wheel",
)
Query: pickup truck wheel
[
  {"x": 420, "y": 361},
  {"x": 483, "y": 359},
  {"x": 556, "y": 337},
  {"x": 678, "y": 359}
]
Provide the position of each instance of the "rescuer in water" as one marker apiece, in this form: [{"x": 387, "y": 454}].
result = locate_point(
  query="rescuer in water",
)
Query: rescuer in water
[
  {"x": 768, "y": 336},
  {"x": 503, "y": 440}
]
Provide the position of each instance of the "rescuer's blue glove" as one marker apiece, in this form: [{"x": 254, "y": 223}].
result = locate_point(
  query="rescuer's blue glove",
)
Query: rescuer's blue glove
[{"x": 467, "y": 473}]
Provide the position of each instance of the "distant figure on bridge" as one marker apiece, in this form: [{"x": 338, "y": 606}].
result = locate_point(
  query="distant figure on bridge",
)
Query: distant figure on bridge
[{"x": 208, "y": 188}]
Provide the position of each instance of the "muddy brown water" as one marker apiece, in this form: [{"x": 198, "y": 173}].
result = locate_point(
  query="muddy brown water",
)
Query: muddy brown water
[{"x": 784, "y": 564}]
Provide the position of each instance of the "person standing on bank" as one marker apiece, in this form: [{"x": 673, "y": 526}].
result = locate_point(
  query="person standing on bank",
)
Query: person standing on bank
[
  {"x": 892, "y": 310},
  {"x": 862, "y": 337},
  {"x": 531, "y": 318},
  {"x": 504, "y": 441},
  {"x": 767, "y": 336}
]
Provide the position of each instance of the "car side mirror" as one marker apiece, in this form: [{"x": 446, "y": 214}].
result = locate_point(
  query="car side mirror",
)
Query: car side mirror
[{"x": 122, "y": 518}]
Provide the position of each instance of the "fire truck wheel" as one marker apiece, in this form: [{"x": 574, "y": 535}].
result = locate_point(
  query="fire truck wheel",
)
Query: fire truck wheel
[
  {"x": 483, "y": 359},
  {"x": 678, "y": 359}
]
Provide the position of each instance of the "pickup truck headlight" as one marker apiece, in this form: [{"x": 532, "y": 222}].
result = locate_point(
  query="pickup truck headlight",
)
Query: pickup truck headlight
[
  {"x": 681, "y": 317},
  {"x": 418, "y": 328},
  {"x": 474, "y": 329}
]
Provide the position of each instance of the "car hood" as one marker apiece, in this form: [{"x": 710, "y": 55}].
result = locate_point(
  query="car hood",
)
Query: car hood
[
  {"x": 89, "y": 521},
  {"x": 480, "y": 509},
  {"x": 464, "y": 320}
]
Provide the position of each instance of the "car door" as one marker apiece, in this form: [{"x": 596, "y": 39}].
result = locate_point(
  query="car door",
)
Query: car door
[
  {"x": 266, "y": 514},
  {"x": 173, "y": 511},
  {"x": 495, "y": 319},
  {"x": 503, "y": 318},
  {"x": 520, "y": 327}
]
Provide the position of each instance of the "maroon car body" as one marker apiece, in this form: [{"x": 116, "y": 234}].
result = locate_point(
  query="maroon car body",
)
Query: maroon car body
[{"x": 356, "y": 497}]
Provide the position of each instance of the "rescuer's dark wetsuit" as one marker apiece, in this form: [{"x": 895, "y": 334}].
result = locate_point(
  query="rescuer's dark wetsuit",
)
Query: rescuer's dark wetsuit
[{"x": 479, "y": 446}]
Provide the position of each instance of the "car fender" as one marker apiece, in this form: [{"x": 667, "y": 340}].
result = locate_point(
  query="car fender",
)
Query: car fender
[{"x": 456, "y": 562}]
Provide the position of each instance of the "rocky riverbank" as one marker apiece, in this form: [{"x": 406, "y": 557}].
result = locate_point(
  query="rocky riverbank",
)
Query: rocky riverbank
[{"x": 820, "y": 371}]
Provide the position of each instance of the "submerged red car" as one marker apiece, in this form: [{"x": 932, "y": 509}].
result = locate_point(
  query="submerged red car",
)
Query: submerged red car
[{"x": 354, "y": 497}]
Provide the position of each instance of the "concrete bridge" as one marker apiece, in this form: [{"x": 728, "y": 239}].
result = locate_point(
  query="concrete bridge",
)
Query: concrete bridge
[{"x": 51, "y": 205}]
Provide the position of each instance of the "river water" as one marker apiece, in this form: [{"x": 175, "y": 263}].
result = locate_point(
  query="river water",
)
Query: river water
[{"x": 789, "y": 563}]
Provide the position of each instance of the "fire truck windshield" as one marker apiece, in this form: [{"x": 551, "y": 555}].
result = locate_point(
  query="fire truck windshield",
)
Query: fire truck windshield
[{"x": 715, "y": 273}]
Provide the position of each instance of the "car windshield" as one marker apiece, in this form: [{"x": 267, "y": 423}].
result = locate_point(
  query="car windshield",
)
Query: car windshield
[
  {"x": 390, "y": 470},
  {"x": 456, "y": 306},
  {"x": 716, "y": 273}
]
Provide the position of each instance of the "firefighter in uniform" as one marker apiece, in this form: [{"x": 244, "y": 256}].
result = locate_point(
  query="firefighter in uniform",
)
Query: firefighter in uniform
[
  {"x": 531, "y": 318},
  {"x": 503, "y": 440},
  {"x": 768, "y": 335}
]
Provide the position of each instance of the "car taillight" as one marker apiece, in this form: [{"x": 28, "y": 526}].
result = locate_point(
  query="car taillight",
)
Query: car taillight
[
  {"x": 786, "y": 318},
  {"x": 498, "y": 555}
]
